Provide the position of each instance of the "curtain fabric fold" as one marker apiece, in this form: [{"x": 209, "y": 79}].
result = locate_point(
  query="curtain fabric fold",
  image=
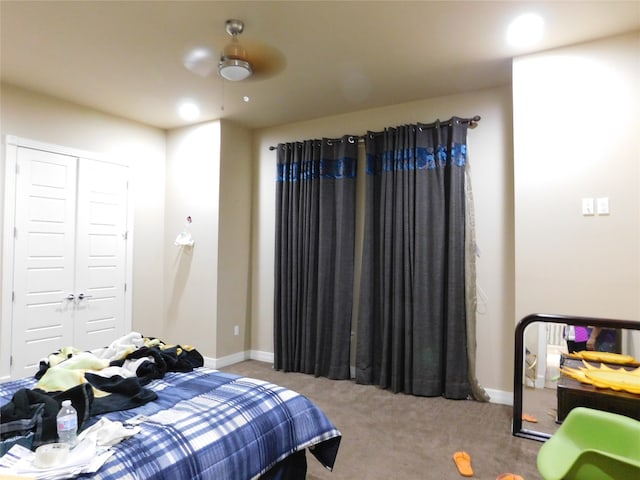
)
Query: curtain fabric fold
[
  {"x": 314, "y": 257},
  {"x": 412, "y": 323}
]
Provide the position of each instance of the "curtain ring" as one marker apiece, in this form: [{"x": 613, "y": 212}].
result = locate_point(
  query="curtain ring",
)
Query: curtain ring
[
  {"x": 330, "y": 143},
  {"x": 351, "y": 139}
]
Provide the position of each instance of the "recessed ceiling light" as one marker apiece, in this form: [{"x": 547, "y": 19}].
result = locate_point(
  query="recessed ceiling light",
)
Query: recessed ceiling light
[
  {"x": 246, "y": 99},
  {"x": 189, "y": 110},
  {"x": 525, "y": 30}
]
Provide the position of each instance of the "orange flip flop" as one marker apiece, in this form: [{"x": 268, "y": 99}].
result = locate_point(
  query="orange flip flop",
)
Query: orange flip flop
[
  {"x": 509, "y": 476},
  {"x": 463, "y": 462},
  {"x": 529, "y": 418}
]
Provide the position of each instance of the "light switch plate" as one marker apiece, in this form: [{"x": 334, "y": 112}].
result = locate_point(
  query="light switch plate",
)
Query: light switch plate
[
  {"x": 602, "y": 205},
  {"x": 587, "y": 206}
]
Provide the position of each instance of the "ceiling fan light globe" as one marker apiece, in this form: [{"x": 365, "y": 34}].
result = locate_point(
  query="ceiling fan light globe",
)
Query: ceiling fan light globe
[{"x": 234, "y": 70}]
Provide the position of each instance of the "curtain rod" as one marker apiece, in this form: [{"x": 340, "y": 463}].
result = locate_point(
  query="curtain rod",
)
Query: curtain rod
[{"x": 473, "y": 123}]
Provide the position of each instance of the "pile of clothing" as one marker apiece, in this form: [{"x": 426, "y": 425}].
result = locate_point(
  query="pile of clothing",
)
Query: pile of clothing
[{"x": 105, "y": 380}]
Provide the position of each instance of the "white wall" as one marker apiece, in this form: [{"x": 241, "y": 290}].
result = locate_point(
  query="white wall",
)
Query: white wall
[
  {"x": 491, "y": 170},
  {"x": 577, "y": 124},
  {"x": 36, "y": 117}
]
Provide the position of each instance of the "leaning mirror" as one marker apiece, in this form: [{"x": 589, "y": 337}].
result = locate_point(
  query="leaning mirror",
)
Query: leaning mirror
[{"x": 542, "y": 396}]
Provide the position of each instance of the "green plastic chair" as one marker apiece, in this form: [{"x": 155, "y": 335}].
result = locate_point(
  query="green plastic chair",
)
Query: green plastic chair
[{"x": 592, "y": 445}]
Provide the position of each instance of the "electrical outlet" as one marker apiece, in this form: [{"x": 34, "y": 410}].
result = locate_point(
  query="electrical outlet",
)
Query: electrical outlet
[{"x": 236, "y": 330}]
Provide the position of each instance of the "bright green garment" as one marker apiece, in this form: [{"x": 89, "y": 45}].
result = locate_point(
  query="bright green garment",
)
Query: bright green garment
[{"x": 63, "y": 375}]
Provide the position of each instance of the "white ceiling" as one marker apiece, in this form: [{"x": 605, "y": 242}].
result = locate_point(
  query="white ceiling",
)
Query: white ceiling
[{"x": 125, "y": 58}]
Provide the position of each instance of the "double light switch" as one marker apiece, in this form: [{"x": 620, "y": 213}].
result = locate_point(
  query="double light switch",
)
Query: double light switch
[{"x": 598, "y": 206}]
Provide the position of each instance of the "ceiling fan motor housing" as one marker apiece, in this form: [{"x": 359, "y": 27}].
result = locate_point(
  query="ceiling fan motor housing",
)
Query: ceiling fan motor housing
[
  {"x": 234, "y": 27},
  {"x": 234, "y": 63}
]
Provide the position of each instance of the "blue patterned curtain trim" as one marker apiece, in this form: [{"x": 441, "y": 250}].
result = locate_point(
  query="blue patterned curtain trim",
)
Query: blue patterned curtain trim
[
  {"x": 417, "y": 159},
  {"x": 339, "y": 168}
]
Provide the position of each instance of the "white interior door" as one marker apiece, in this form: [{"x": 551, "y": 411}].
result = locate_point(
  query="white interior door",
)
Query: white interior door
[
  {"x": 70, "y": 256},
  {"x": 100, "y": 253},
  {"x": 44, "y": 252}
]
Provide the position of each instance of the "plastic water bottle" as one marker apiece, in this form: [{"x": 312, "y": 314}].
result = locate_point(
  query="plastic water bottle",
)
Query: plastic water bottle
[{"x": 67, "y": 421}]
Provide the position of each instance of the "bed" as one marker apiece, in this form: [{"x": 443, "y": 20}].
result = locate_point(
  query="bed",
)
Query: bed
[{"x": 207, "y": 424}]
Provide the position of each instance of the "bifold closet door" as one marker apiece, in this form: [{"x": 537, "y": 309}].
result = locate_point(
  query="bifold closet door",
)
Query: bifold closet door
[
  {"x": 44, "y": 257},
  {"x": 100, "y": 253},
  {"x": 69, "y": 255}
]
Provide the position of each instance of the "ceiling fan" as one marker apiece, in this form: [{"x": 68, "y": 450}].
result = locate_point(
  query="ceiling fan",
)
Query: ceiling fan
[{"x": 237, "y": 61}]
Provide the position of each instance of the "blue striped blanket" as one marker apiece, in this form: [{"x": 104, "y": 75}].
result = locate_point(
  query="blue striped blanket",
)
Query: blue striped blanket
[{"x": 208, "y": 424}]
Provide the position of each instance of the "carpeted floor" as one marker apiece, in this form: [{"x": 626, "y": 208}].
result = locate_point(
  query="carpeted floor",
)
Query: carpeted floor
[
  {"x": 396, "y": 436},
  {"x": 542, "y": 403}
]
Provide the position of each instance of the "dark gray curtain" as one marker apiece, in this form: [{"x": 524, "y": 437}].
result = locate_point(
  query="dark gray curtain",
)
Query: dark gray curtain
[
  {"x": 314, "y": 258},
  {"x": 412, "y": 334}
]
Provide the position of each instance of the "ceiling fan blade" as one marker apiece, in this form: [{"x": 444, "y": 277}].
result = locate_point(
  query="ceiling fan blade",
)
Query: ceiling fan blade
[
  {"x": 201, "y": 61},
  {"x": 266, "y": 61}
]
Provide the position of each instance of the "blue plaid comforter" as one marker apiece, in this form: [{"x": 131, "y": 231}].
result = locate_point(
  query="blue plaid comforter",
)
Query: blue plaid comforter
[{"x": 208, "y": 424}]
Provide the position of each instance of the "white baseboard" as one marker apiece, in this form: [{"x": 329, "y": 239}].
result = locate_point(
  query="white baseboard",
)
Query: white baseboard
[
  {"x": 225, "y": 361},
  {"x": 261, "y": 356},
  {"x": 500, "y": 396},
  {"x": 237, "y": 358}
]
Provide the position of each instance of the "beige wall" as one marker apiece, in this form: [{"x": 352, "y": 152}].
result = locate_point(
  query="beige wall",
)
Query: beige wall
[
  {"x": 177, "y": 292},
  {"x": 36, "y": 117},
  {"x": 207, "y": 296},
  {"x": 490, "y": 147},
  {"x": 552, "y": 260},
  {"x": 234, "y": 241},
  {"x": 193, "y": 182},
  {"x": 576, "y": 124}
]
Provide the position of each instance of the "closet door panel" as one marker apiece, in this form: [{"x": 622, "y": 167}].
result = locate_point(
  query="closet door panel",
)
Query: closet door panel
[
  {"x": 43, "y": 276},
  {"x": 101, "y": 252}
]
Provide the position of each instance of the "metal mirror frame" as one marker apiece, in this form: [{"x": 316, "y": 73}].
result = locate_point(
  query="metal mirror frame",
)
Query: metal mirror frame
[{"x": 516, "y": 425}]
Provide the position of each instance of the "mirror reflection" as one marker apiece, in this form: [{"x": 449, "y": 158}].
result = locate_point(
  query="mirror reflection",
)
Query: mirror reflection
[{"x": 543, "y": 395}]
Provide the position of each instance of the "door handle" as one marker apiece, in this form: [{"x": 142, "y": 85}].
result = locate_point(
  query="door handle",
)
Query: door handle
[
  {"x": 70, "y": 297},
  {"x": 82, "y": 296}
]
